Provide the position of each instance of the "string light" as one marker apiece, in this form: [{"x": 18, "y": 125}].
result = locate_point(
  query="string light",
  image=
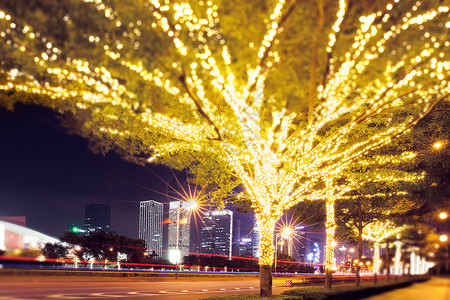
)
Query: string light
[
  {"x": 377, "y": 232},
  {"x": 218, "y": 111}
]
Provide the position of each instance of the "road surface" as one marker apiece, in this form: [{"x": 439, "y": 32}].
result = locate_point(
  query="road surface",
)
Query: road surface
[{"x": 72, "y": 287}]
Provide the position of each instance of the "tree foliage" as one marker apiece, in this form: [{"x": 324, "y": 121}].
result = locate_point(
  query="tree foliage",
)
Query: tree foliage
[
  {"x": 227, "y": 93},
  {"x": 54, "y": 250},
  {"x": 105, "y": 246}
]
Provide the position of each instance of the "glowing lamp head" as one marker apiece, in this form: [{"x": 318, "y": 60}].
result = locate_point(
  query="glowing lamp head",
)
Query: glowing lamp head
[
  {"x": 334, "y": 244},
  {"x": 443, "y": 238},
  {"x": 443, "y": 215},
  {"x": 287, "y": 231},
  {"x": 437, "y": 145},
  {"x": 192, "y": 205}
]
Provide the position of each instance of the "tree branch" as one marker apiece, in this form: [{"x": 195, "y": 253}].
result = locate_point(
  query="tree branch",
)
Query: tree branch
[
  {"x": 266, "y": 54},
  {"x": 194, "y": 98}
]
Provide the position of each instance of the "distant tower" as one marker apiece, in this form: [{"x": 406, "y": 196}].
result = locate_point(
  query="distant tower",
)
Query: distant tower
[
  {"x": 179, "y": 231},
  {"x": 150, "y": 225},
  {"x": 217, "y": 233},
  {"x": 255, "y": 239},
  {"x": 236, "y": 237},
  {"x": 97, "y": 217}
]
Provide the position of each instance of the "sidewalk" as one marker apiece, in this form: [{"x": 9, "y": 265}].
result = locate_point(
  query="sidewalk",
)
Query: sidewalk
[{"x": 437, "y": 288}]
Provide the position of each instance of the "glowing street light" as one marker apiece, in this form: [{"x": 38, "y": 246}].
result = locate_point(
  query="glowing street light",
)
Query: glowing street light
[
  {"x": 443, "y": 215},
  {"x": 287, "y": 231},
  {"x": 437, "y": 145},
  {"x": 443, "y": 238},
  {"x": 192, "y": 205}
]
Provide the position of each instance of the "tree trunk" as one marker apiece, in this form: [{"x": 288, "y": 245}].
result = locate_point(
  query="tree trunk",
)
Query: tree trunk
[
  {"x": 376, "y": 262},
  {"x": 360, "y": 229},
  {"x": 387, "y": 262},
  {"x": 266, "y": 250},
  {"x": 330, "y": 225},
  {"x": 328, "y": 279},
  {"x": 265, "y": 280}
]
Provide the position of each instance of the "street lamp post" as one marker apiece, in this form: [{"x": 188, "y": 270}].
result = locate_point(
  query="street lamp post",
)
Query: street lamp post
[
  {"x": 191, "y": 205},
  {"x": 286, "y": 233}
]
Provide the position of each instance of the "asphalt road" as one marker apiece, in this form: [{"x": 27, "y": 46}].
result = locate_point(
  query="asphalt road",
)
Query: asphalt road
[{"x": 22, "y": 287}]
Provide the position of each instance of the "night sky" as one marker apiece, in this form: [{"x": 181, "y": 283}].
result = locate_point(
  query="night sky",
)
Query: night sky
[{"x": 49, "y": 176}]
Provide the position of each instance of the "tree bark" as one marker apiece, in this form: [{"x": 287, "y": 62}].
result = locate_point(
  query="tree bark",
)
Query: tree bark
[
  {"x": 360, "y": 229},
  {"x": 330, "y": 225},
  {"x": 328, "y": 279},
  {"x": 387, "y": 262},
  {"x": 376, "y": 262},
  {"x": 265, "y": 280},
  {"x": 266, "y": 249}
]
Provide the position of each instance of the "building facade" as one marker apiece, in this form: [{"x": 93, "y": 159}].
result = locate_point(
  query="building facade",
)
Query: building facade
[
  {"x": 150, "y": 225},
  {"x": 255, "y": 239},
  {"x": 14, "y": 237},
  {"x": 97, "y": 217},
  {"x": 178, "y": 231},
  {"x": 245, "y": 247},
  {"x": 217, "y": 233}
]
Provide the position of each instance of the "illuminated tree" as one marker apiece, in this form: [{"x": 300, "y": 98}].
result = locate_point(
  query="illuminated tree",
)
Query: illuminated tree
[
  {"x": 367, "y": 209},
  {"x": 377, "y": 232},
  {"x": 165, "y": 82}
]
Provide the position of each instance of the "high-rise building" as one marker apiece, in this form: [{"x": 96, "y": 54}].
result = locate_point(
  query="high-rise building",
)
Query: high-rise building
[
  {"x": 217, "y": 233},
  {"x": 178, "y": 231},
  {"x": 236, "y": 236},
  {"x": 300, "y": 254},
  {"x": 245, "y": 247},
  {"x": 97, "y": 217},
  {"x": 255, "y": 239},
  {"x": 150, "y": 225}
]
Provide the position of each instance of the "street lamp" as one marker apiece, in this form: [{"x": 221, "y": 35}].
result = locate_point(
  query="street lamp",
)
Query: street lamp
[
  {"x": 343, "y": 250},
  {"x": 187, "y": 207},
  {"x": 286, "y": 233},
  {"x": 437, "y": 145},
  {"x": 443, "y": 215},
  {"x": 443, "y": 238}
]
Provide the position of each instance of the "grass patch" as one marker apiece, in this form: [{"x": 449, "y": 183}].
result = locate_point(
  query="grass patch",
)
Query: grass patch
[
  {"x": 346, "y": 292},
  {"x": 338, "y": 292}
]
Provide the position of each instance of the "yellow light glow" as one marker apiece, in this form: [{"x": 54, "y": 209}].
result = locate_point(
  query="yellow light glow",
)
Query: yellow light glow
[
  {"x": 287, "y": 231},
  {"x": 443, "y": 215},
  {"x": 443, "y": 238},
  {"x": 228, "y": 114},
  {"x": 437, "y": 145}
]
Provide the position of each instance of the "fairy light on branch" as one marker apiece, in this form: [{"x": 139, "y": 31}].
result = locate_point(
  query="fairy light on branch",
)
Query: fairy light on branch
[{"x": 216, "y": 110}]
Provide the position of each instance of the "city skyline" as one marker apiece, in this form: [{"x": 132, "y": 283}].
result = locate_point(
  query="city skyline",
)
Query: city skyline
[
  {"x": 95, "y": 178},
  {"x": 50, "y": 175}
]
